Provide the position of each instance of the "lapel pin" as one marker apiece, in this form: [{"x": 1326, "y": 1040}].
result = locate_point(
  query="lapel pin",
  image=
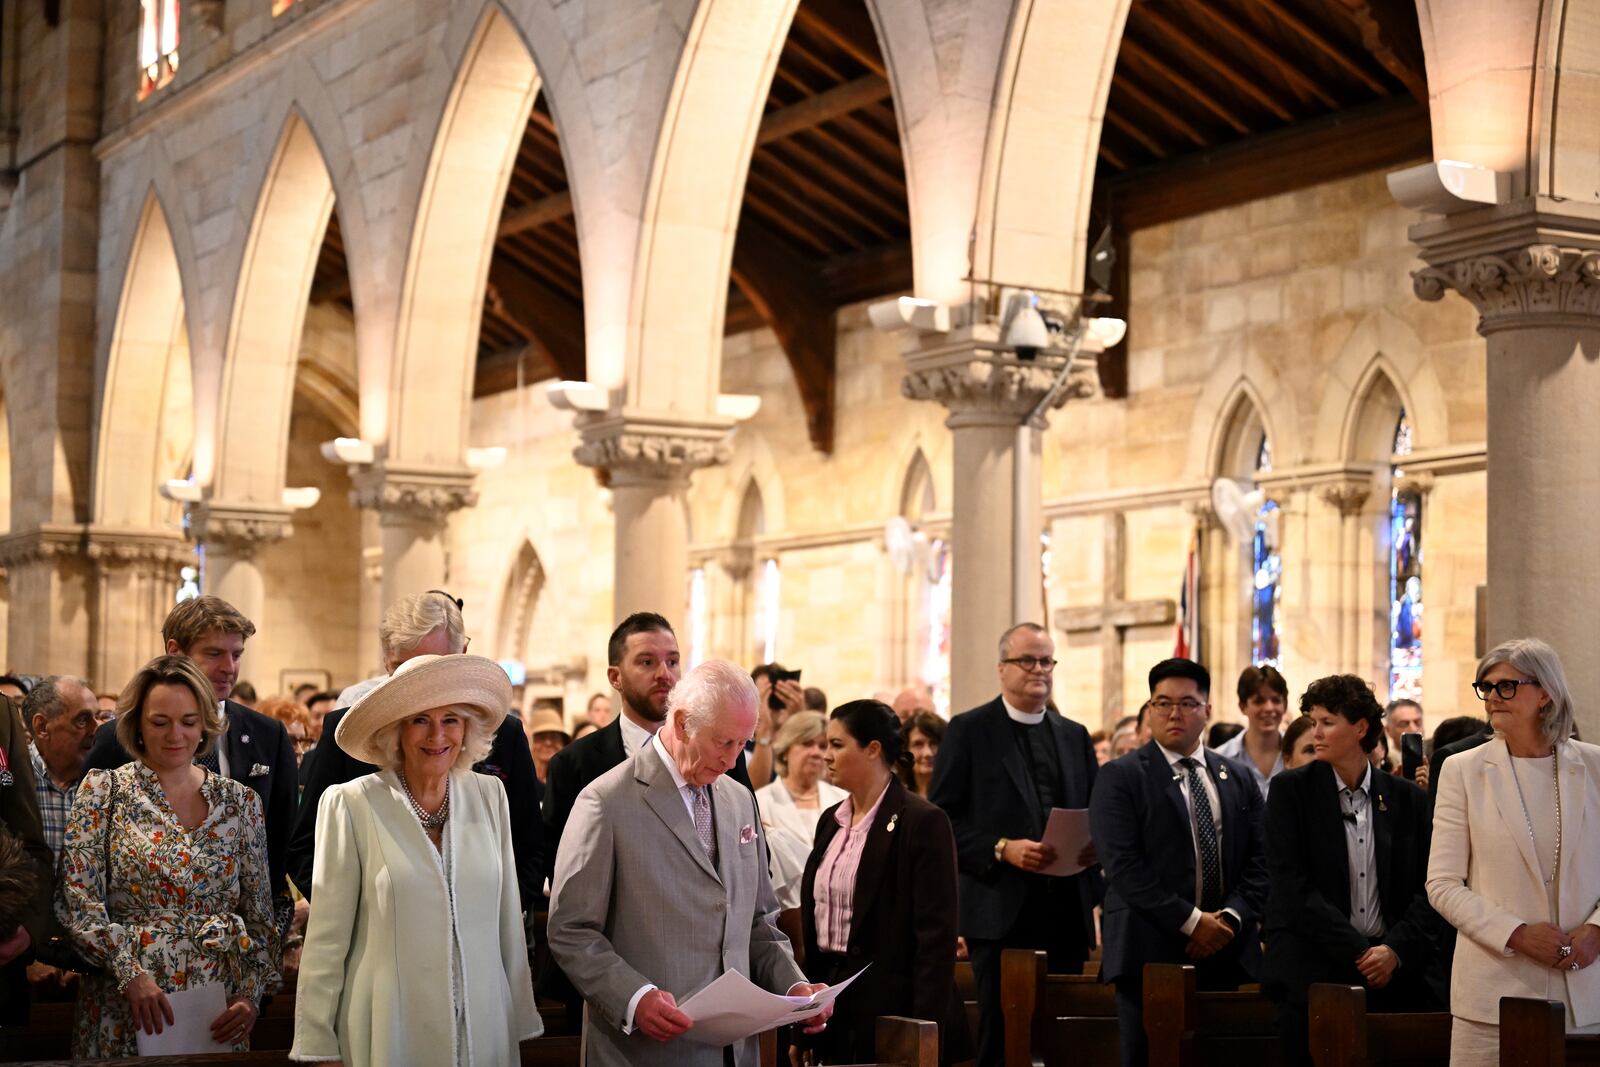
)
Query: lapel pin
[
  {"x": 1381, "y": 805},
  {"x": 244, "y": 739},
  {"x": 892, "y": 820},
  {"x": 1223, "y": 774}
]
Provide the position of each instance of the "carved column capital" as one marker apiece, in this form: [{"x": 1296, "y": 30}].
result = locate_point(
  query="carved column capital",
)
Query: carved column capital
[
  {"x": 1203, "y": 514},
  {"x": 982, "y": 382},
  {"x": 143, "y": 551},
  {"x": 638, "y": 450},
  {"x": 1349, "y": 497},
  {"x": 239, "y": 530},
  {"x": 1526, "y": 281},
  {"x": 412, "y": 496},
  {"x": 1419, "y": 482},
  {"x": 43, "y": 544}
]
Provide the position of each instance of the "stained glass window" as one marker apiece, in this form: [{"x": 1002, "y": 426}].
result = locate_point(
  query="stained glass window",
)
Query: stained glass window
[
  {"x": 936, "y": 629},
  {"x": 767, "y": 611},
  {"x": 158, "y": 44},
  {"x": 1266, "y": 570},
  {"x": 1405, "y": 578}
]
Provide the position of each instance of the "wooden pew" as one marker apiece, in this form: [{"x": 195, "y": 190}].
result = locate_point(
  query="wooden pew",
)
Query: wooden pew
[
  {"x": 1533, "y": 1033},
  {"x": 1055, "y": 1019},
  {"x": 1187, "y": 1028},
  {"x": 539, "y": 1052},
  {"x": 1344, "y": 1035},
  {"x": 967, "y": 992}
]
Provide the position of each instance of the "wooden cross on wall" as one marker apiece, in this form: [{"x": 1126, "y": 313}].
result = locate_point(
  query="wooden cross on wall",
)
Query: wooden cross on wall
[{"x": 1114, "y": 617}]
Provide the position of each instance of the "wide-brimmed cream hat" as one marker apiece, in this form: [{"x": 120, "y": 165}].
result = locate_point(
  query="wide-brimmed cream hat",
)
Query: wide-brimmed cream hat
[{"x": 477, "y": 684}]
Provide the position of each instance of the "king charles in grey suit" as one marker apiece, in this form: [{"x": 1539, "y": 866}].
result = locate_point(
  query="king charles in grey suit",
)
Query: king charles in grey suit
[{"x": 661, "y": 884}]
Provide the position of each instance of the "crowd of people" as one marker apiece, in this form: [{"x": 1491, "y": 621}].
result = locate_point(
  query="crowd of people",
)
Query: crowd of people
[{"x": 388, "y": 847}]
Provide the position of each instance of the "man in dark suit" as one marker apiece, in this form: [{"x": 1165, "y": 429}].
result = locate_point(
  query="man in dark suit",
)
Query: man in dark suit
[
  {"x": 1179, "y": 833},
  {"x": 1347, "y": 855},
  {"x": 1001, "y": 769},
  {"x": 255, "y": 749},
  {"x": 426, "y": 624}
]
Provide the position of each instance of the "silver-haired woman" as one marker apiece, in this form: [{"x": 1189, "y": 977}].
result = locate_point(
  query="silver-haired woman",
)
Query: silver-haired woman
[
  {"x": 414, "y": 953},
  {"x": 1509, "y": 869}
]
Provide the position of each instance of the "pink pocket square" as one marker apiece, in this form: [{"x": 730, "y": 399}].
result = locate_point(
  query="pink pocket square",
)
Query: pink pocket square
[{"x": 747, "y": 834}]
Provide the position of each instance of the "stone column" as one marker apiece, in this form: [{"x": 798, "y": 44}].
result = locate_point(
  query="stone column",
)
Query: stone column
[
  {"x": 414, "y": 506},
  {"x": 1341, "y": 599},
  {"x": 232, "y": 536},
  {"x": 1534, "y": 278},
  {"x": 48, "y": 580},
  {"x": 648, "y": 463},
  {"x": 997, "y": 510},
  {"x": 136, "y": 574}
]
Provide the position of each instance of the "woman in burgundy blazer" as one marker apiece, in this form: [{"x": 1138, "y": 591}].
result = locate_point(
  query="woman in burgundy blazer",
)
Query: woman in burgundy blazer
[{"x": 898, "y": 912}]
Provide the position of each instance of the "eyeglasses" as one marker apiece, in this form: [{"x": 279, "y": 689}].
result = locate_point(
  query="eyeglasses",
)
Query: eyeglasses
[
  {"x": 1506, "y": 688},
  {"x": 1031, "y": 663},
  {"x": 1165, "y": 706}
]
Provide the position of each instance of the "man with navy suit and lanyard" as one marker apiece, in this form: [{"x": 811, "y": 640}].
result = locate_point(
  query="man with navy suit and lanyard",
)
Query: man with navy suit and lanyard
[
  {"x": 1179, "y": 832},
  {"x": 1001, "y": 769}
]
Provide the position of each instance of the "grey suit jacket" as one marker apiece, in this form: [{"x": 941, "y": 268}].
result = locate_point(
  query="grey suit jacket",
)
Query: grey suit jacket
[{"x": 635, "y": 901}]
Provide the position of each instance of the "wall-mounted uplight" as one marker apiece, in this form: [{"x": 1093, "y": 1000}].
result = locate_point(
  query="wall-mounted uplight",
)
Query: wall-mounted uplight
[
  {"x": 350, "y": 451},
  {"x": 181, "y": 490}
]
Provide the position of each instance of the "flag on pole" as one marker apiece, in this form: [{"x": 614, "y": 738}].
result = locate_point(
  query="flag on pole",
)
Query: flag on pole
[{"x": 1187, "y": 643}]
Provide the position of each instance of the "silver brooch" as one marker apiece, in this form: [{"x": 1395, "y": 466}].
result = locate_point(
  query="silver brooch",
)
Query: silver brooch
[{"x": 892, "y": 820}]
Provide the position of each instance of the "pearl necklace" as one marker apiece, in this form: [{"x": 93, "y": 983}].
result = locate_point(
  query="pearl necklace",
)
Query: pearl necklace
[{"x": 437, "y": 819}]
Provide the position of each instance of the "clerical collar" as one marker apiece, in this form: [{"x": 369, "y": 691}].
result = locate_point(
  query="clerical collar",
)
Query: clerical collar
[{"x": 1026, "y": 718}]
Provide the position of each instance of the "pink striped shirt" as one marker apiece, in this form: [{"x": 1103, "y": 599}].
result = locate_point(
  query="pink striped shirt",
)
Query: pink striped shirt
[{"x": 835, "y": 885}]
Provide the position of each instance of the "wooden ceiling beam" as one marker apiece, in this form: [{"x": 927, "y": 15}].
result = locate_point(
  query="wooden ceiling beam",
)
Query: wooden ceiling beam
[
  {"x": 1321, "y": 43},
  {"x": 1110, "y": 156},
  {"x": 1212, "y": 62},
  {"x": 1143, "y": 55},
  {"x": 1264, "y": 54},
  {"x": 787, "y": 291},
  {"x": 1160, "y": 110},
  {"x": 533, "y": 215},
  {"x": 872, "y": 272},
  {"x": 547, "y": 320},
  {"x": 1355, "y": 141},
  {"x": 1132, "y": 129},
  {"x": 1391, "y": 37},
  {"x": 826, "y": 106},
  {"x": 846, "y": 25}
]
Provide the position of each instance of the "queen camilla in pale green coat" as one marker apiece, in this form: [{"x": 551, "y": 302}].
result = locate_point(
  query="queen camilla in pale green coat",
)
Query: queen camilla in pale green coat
[{"x": 414, "y": 952}]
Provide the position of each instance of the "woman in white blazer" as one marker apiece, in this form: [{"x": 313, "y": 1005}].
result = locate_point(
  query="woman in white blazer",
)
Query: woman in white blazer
[
  {"x": 1509, "y": 867},
  {"x": 794, "y": 800},
  {"x": 414, "y": 953}
]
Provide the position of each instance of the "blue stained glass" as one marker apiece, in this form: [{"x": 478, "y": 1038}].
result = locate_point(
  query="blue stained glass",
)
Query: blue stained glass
[
  {"x": 1405, "y": 580},
  {"x": 1266, "y": 595}
]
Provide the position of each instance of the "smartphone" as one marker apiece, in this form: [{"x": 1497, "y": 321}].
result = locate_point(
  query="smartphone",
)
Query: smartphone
[
  {"x": 1410, "y": 756},
  {"x": 773, "y": 700}
]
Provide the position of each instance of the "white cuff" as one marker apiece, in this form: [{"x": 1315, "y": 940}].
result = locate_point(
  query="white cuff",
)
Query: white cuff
[
  {"x": 1187, "y": 929},
  {"x": 633, "y": 1005}
]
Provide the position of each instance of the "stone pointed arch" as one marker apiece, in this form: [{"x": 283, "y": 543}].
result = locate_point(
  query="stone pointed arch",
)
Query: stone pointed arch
[
  {"x": 1382, "y": 343},
  {"x": 1373, "y": 414},
  {"x": 525, "y": 581},
  {"x": 1234, "y": 434},
  {"x": 918, "y": 498},
  {"x": 1000, "y": 122},
  {"x": 447, "y": 266},
  {"x": 264, "y": 331},
  {"x": 146, "y": 422},
  {"x": 672, "y": 353}
]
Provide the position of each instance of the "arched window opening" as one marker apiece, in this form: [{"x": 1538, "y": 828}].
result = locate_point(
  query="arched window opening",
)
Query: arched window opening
[
  {"x": 1405, "y": 575},
  {"x": 158, "y": 44},
  {"x": 1266, "y": 573}
]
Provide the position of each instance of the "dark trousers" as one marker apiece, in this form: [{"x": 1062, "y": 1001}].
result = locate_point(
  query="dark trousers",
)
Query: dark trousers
[
  {"x": 1210, "y": 976},
  {"x": 1042, "y": 925},
  {"x": 1408, "y": 990}
]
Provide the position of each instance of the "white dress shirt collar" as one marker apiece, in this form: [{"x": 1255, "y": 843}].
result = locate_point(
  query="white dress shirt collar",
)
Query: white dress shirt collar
[
  {"x": 1364, "y": 786},
  {"x": 634, "y": 736},
  {"x": 1173, "y": 757}
]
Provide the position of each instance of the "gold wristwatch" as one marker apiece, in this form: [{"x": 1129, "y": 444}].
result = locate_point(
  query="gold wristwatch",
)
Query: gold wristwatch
[{"x": 1000, "y": 849}]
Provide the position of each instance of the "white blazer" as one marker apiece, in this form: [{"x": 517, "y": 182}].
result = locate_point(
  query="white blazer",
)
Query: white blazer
[
  {"x": 1483, "y": 877},
  {"x": 779, "y": 809},
  {"x": 375, "y": 972}
]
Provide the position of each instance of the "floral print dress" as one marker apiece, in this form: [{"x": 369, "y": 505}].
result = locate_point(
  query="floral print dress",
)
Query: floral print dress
[{"x": 142, "y": 895}]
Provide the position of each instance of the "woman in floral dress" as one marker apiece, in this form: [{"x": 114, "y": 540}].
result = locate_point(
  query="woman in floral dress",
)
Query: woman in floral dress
[{"x": 164, "y": 873}]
